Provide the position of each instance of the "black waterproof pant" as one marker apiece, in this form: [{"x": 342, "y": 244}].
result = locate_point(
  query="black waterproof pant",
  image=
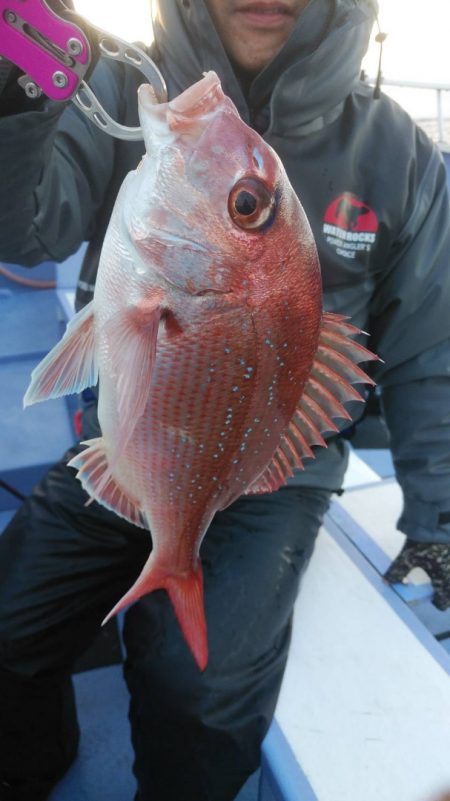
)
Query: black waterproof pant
[{"x": 196, "y": 735}]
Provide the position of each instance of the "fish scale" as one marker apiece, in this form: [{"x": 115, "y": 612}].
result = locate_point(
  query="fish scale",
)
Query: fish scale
[{"x": 218, "y": 369}]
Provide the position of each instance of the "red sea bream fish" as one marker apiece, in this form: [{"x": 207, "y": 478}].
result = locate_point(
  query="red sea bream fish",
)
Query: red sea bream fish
[{"x": 217, "y": 367}]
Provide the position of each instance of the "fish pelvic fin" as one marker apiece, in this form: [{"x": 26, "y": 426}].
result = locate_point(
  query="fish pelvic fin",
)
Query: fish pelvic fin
[
  {"x": 329, "y": 385},
  {"x": 185, "y": 591},
  {"x": 95, "y": 475},
  {"x": 71, "y": 365}
]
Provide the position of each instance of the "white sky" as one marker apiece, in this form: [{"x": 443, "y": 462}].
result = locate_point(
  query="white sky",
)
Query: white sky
[{"x": 417, "y": 47}]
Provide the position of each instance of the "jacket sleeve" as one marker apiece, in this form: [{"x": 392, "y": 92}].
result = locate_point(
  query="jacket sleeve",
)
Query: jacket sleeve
[
  {"x": 410, "y": 325},
  {"x": 55, "y": 166}
]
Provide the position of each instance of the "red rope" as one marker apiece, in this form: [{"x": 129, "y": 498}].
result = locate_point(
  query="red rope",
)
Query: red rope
[{"x": 35, "y": 283}]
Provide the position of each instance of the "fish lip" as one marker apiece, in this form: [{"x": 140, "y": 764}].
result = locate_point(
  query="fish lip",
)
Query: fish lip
[{"x": 198, "y": 99}]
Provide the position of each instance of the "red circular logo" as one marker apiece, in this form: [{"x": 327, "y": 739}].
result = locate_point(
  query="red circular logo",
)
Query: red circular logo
[{"x": 351, "y": 214}]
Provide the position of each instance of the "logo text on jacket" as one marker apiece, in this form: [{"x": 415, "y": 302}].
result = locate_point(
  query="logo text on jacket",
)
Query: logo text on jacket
[{"x": 350, "y": 226}]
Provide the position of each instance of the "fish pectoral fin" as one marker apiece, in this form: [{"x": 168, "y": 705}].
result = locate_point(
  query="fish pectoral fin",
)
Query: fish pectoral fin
[
  {"x": 133, "y": 335},
  {"x": 95, "y": 476},
  {"x": 185, "y": 591},
  {"x": 329, "y": 385},
  {"x": 71, "y": 365}
]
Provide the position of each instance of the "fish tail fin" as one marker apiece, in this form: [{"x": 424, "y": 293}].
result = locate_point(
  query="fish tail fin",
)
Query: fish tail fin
[{"x": 186, "y": 594}]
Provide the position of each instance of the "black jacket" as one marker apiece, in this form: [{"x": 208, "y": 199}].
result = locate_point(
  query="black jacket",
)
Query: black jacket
[{"x": 372, "y": 184}]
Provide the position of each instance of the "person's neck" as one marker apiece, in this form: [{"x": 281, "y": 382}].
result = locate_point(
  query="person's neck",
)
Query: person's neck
[{"x": 245, "y": 78}]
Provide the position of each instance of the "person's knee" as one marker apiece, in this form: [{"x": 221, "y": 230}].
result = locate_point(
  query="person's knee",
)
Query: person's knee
[
  {"x": 159, "y": 663},
  {"x": 239, "y": 681}
]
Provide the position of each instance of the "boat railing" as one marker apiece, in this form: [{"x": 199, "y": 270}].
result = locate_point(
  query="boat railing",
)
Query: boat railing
[{"x": 441, "y": 131}]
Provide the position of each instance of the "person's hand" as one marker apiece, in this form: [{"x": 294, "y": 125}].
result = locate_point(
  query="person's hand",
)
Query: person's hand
[{"x": 434, "y": 559}]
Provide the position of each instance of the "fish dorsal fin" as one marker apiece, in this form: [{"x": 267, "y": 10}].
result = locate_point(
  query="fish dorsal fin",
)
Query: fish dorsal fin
[
  {"x": 71, "y": 365},
  {"x": 328, "y": 386},
  {"x": 133, "y": 334},
  {"x": 95, "y": 475}
]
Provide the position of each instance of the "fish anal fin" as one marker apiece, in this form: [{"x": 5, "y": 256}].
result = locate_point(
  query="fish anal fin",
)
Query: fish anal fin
[
  {"x": 185, "y": 591},
  {"x": 71, "y": 365},
  {"x": 95, "y": 475}
]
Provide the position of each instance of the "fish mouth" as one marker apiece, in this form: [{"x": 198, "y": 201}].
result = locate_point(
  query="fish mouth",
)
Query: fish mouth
[
  {"x": 200, "y": 98},
  {"x": 177, "y": 115}
]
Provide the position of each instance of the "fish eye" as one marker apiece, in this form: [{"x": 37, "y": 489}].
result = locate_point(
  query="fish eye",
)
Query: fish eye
[{"x": 250, "y": 204}]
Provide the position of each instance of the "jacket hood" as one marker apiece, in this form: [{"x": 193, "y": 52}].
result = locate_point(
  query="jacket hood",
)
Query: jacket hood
[{"x": 302, "y": 89}]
